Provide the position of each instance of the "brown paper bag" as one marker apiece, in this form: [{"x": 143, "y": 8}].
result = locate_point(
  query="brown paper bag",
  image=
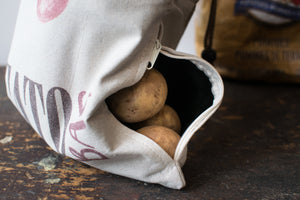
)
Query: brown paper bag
[{"x": 254, "y": 39}]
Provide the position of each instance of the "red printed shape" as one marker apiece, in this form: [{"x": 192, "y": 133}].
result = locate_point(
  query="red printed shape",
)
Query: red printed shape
[
  {"x": 82, "y": 155},
  {"x": 296, "y": 2},
  {"x": 74, "y": 127},
  {"x": 80, "y": 101},
  {"x": 48, "y": 10}
]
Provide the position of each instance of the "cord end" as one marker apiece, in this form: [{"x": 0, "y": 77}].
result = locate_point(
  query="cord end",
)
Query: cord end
[{"x": 209, "y": 55}]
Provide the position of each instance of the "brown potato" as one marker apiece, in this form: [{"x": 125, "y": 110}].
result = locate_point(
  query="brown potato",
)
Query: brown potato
[
  {"x": 140, "y": 101},
  {"x": 166, "y": 138},
  {"x": 167, "y": 117}
]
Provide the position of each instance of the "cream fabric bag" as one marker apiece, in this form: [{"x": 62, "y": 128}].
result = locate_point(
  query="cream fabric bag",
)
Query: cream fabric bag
[{"x": 68, "y": 56}]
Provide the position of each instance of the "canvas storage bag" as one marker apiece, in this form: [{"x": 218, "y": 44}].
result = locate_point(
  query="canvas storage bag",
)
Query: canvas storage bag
[
  {"x": 253, "y": 39},
  {"x": 68, "y": 56}
]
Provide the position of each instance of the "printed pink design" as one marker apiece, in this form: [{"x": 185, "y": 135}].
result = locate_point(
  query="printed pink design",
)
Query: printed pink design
[
  {"x": 48, "y": 10},
  {"x": 31, "y": 96},
  {"x": 74, "y": 127},
  {"x": 81, "y": 156},
  {"x": 296, "y": 2},
  {"x": 88, "y": 153},
  {"x": 80, "y": 101}
]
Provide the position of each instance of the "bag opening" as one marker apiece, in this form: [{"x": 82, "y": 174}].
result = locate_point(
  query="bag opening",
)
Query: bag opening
[{"x": 189, "y": 89}]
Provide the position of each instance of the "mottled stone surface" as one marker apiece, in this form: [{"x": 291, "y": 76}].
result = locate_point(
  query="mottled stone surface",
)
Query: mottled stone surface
[{"x": 250, "y": 149}]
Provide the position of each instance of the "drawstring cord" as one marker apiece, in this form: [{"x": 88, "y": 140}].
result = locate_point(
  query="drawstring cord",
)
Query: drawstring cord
[{"x": 208, "y": 53}]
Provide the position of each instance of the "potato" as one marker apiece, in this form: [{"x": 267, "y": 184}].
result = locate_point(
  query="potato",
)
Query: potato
[
  {"x": 167, "y": 117},
  {"x": 140, "y": 101},
  {"x": 165, "y": 137}
]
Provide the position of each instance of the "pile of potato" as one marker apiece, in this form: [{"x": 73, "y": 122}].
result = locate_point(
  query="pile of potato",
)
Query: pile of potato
[{"x": 142, "y": 107}]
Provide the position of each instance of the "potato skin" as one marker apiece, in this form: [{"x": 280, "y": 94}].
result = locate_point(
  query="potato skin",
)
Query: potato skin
[
  {"x": 167, "y": 117},
  {"x": 165, "y": 137},
  {"x": 140, "y": 101}
]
